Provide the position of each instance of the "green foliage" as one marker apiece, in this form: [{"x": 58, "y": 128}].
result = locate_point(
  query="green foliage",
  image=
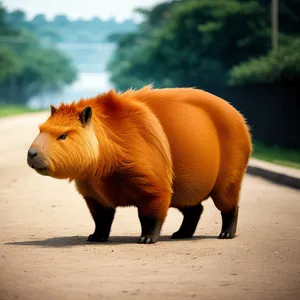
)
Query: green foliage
[
  {"x": 197, "y": 43},
  {"x": 10, "y": 110},
  {"x": 26, "y": 67},
  {"x": 185, "y": 45},
  {"x": 277, "y": 155},
  {"x": 10, "y": 64},
  {"x": 45, "y": 70},
  {"x": 133, "y": 65},
  {"x": 283, "y": 66}
]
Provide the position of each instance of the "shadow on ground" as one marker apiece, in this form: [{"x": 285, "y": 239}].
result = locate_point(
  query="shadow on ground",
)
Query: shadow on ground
[{"x": 69, "y": 241}]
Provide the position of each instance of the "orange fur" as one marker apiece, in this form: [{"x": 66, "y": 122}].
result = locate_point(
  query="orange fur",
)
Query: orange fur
[{"x": 151, "y": 148}]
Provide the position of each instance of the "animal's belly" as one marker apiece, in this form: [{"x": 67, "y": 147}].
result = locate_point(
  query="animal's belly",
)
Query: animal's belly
[
  {"x": 116, "y": 190},
  {"x": 195, "y": 152}
]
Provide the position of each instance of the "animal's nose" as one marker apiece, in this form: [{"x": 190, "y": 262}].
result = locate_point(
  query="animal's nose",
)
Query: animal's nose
[{"x": 32, "y": 153}]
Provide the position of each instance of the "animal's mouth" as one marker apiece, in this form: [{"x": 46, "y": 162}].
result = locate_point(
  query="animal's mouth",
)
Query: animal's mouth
[{"x": 42, "y": 171}]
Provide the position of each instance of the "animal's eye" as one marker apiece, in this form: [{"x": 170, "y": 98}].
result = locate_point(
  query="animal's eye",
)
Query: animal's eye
[{"x": 62, "y": 136}]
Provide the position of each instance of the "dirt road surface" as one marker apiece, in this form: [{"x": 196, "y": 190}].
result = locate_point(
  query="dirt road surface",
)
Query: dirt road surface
[{"x": 44, "y": 224}]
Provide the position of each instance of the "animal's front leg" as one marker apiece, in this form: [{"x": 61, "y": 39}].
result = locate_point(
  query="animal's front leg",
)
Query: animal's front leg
[
  {"x": 152, "y": 216},
  {"x": 103, "y": 217}
]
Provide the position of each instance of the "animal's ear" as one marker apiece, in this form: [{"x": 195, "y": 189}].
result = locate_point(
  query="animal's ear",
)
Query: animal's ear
[
  {"x": 86, "y": 115},
  {"x": 53, "y": 109}
]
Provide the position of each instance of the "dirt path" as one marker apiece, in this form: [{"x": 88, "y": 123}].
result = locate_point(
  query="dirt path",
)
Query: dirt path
[{"x": 44, "y": 224}]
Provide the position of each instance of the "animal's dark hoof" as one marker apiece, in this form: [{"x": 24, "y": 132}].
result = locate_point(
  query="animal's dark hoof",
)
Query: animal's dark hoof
[
  {"x": 181, "y": 235},
  {"x": 145, "y": 240},
  {"x": 97, "y": 239},
  {"x": 226, "y": 235}
]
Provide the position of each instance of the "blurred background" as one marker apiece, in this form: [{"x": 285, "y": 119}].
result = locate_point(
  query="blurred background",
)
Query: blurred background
[{"x": 246, "y": 51}]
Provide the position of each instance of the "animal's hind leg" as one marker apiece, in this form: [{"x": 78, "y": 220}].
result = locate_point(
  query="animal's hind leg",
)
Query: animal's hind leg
[
  {"x": 229, "y": 223},
  {"x": 103, "y": 218},
  {"x": 226, "y": 200},
  {"x": 191, "y": 216}
]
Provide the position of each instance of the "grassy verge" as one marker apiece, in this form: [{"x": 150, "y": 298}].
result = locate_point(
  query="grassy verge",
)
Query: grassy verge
[
  {"x": 277, "y": 155},
  {"x": 10, "y": 110}
]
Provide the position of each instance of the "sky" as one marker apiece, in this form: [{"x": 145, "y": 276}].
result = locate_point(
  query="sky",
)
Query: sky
[{"x": 85, "y": 9}]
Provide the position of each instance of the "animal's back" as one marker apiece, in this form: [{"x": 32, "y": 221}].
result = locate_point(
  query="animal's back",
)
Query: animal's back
[{"x": 209, "y": 140}]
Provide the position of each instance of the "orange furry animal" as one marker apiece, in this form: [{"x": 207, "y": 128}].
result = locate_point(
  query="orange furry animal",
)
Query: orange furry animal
[{"x": 151, "y": 148}]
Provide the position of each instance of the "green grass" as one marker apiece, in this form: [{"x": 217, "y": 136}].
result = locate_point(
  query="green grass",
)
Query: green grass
[
  {"x": 277, "y": 155},
  {"x": 10, "y": 110}
]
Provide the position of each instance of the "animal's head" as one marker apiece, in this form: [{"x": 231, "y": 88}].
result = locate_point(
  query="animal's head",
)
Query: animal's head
[{"x": 66, "y": 145}]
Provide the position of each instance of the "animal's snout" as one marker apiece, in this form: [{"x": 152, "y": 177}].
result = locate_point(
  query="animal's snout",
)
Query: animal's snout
[
  {"x": 34, "y": 160},
  {"x": 32, "y": 153},
  {"x": 37, "y": 162}
]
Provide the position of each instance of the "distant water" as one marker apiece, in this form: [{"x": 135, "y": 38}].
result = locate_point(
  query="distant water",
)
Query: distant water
[{"x": 87, "y": 85}]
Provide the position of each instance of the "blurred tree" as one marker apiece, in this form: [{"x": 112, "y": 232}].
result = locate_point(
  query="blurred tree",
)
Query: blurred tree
[
  {"x": 182, "y": 43},
  {"x": 43, "y": 70},
  {"x": 50, "y": 35},
  {"x": 60, "y": 20},
  {"x": 289, "y": 17},
  {"x": 61, "y": 29},
  {"x": 5, "y": 29},
  {"x": 39, "y": 20},
  {"x": 283, "y": 67},
  {"x": 25, "y": 63},
  {"x": 196, "y": 43},
  {"x": 131, "y": 65},
  {"x": 209, "y": 44},
  {"x": 9, "y": 63},
  {"x": 271, "y": 67},
  {"x": 15, "y": 18}
]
